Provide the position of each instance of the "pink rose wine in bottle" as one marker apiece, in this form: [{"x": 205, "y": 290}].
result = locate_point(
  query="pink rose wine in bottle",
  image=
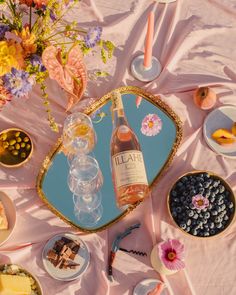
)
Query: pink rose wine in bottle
[{"x": 128, "y": 169}]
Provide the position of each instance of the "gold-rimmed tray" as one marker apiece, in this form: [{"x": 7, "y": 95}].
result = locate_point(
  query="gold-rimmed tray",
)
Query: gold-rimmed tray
[
  {"x": 230, "y": 196},
  {"x": 158, "y": 152},
  {"x": 16, "y": 147}
]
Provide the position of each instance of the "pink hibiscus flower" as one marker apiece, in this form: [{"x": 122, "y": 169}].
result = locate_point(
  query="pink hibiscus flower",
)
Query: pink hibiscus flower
[
  {"x": 171, "y": 253},
  {"x": 200, "y": 202},
  {"x": 151, "y": 125}
]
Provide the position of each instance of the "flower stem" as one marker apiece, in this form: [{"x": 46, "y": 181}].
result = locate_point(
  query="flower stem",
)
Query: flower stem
[
  {"x": 64, "y": 31},
  {"x": 30, "y": 18}
]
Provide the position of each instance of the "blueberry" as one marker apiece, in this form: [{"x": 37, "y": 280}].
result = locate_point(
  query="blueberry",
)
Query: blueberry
[
  {"x": 207, "y": 195},
  {"x": 187, "y": 229},
  {"x": 194, "y": 232},
  {"x": 183, "y": 225},
  {"x": 216, "y": 191},
  {"x": 176, "y": 200},
  {"x": 231, "y": 205},
  {"x": 217, "y": 219},
  {"x": 174, "y": 214},
  {"x": 214, "y": 212},
  {"x": 215, "y": 183},
  {"x": 201, "y": 190},
  {"x": 205, "y": 221},
  {"x": 206, "y": 175},
  {"x": 199, "y": 222},
  {"x": 211, "y": 225},
  {"x": 220, "y": 202},
  {"x": 174, "y": 193},
  {"x": 189, "y": 222},
  {"x": 180, "y": 184},
  {"x": 191, "y": 206},
  {"x": 178, "y": 209},
  {"x": 226, "y": 217},
  {"x": 206, "y": 226},
  {"x": 223, "y": 207},
  {"x": 184, "y": 179},
  {"x": 212, "y": 232},
  {"x": 207, "y": 215},
  {"x": 195, "y": 216},
  {"x": 206, "y": 234},
  {"x": 182, "y": 199},
  {"x": 190, "y": 213},
  {"x": 219, "y": 225},
  {"x": 210, "y": 206},
  {"x": 221, "y": 188}
]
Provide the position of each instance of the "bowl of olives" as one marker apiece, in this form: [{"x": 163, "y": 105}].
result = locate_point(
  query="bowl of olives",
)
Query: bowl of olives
[
  {"x": 201, "y": 204},
  {"x": 16, "y": 147}
]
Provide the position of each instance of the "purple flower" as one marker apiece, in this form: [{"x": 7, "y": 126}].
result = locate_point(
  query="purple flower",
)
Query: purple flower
[
  {"x": 200, "y": 202},
  {"x": 12, "y": 36},
  {"x": 151, "y": 125},
  {"x": 3, "y": 30},
  {"x": 52, "y": 15},
  {"x": 93, "y": 36},
  {"x": 17, "y": 82},
  {"x": 36, "y": 60}
]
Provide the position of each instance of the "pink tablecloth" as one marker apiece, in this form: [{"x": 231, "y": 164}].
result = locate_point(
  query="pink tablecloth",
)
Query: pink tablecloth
[{"x": 195, "y": 42}]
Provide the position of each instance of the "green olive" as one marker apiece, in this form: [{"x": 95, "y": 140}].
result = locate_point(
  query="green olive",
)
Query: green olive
[
  {"x": 12, "y": 141},
  {"x": 22, "y": 144},
  {"x": 17, "y": 134},
  {"x": 23, "y": 155},
  {"x": 11, "y": 148},
  {"x": 5, "y": 144},
  {"x": 15, "y": 153},
  {"x": 17, "y": 146},
  {"x": 26, "y": 139},
  {"x": 3, "y": 136},
  {"x": 28, "y": 147},
  {"x": 19, "y": 139}
]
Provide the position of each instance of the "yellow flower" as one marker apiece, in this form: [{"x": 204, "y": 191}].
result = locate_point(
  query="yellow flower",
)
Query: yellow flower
[
  {"x": 10, "y": 57},
  {"x": 28, "y": 41}
]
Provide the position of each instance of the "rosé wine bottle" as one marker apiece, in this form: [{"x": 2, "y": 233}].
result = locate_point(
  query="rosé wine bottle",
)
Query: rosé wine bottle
[{"x": 128, "y": 169}]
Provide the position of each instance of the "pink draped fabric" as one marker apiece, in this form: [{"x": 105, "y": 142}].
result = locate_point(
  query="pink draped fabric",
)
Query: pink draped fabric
[{"x": 195, "y": 42}]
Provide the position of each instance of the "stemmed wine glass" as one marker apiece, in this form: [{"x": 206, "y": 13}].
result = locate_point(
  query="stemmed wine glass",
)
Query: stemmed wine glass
[
  {"x": 79, "y": 136},
  {"x": 85, "y": 180}
]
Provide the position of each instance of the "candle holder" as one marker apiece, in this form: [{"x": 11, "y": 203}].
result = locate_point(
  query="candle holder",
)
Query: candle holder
[{"x": 145, "y": 74}]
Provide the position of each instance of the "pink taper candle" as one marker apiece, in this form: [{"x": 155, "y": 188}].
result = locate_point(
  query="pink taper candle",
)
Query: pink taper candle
[{"x": 149, "y": 41}]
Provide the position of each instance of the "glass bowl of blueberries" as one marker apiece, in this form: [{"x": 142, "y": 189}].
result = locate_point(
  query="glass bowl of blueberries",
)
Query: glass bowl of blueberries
[{"x": 201, "y": 204}]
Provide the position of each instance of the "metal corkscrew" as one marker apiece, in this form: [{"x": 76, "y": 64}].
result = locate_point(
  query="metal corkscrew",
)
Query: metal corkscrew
[{"x": 115, "y": 248}]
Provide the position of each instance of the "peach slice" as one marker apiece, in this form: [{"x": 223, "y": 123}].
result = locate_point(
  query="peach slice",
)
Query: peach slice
[
  {"x": 234, "y": 129},
  {"x": 222, "y": 133},
  {"x": 224, "y": 141}
]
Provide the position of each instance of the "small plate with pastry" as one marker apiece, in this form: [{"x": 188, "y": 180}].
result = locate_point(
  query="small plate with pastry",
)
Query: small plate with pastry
[
  {"x": 65, "y": 257},
  {"x": 7, "y": 217}
]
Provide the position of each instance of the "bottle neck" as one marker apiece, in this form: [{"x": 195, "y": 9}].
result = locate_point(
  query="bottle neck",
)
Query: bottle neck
[{"x": 119, "y": 118}]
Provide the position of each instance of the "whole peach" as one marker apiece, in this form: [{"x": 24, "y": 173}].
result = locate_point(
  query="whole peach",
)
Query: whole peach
[{"x": 204, "y": 98}]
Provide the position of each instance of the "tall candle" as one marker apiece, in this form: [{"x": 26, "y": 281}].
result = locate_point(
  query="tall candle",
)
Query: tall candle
[{"x": 149, "y": 41}]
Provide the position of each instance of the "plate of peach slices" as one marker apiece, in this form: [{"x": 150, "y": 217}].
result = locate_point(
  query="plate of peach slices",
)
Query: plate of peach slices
[{"x": 219, "y": 130}]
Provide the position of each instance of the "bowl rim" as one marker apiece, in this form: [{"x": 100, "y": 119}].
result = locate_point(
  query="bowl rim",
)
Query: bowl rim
[
  {"x": 5, "y": 195},
  {"x": 28, "y": 273},
  {"x": 30, "y": 154},
  {"x": 233, "y": 199}
]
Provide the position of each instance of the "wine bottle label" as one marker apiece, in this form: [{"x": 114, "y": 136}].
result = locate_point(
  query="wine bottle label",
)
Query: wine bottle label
[{"x": 129, "y": 168}]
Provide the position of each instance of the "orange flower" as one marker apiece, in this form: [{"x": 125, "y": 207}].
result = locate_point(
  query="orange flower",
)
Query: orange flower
[
  {"x": 28, "y": 41},
  {"x": 11, "y": 56}
]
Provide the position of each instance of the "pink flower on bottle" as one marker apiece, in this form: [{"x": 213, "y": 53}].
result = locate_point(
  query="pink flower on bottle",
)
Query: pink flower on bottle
[
  {"x": 151, "y": 125},
  {"x": 200, "y": 202},
  {"x": 171, "y": 253}
]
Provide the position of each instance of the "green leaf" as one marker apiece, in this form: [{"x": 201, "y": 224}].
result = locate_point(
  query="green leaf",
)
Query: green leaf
[{"x": 101, "y": 74}]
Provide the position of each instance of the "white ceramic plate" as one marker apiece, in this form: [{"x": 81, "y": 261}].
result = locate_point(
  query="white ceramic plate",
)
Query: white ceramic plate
[
  {"x": 83, "y": 258},
  {"x": 146, "y": 286},
  {"x": 11, "y": 217},
  {"x": 223, "y": 117}
]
